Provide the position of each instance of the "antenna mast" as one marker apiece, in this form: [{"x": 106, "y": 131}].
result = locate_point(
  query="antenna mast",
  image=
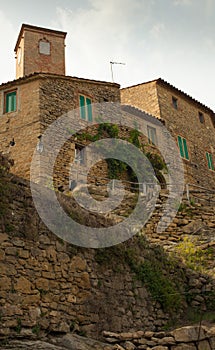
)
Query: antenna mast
[{"x": 111, "y": 67}]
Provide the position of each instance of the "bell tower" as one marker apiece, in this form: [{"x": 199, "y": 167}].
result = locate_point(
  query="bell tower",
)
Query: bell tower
[{"x": 39, "y": 50}]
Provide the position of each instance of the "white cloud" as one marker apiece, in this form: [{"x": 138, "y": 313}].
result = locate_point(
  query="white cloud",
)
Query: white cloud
[
  {"x": 183, "y": 2},
  {"x": 8, "y": 37},
  {"x": 104, "y": 32},
  {"x": 158, "y": 29},
  {"x": 154, "y": 41}
]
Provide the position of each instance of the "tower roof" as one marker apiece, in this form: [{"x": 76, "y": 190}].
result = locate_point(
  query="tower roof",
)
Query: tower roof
[{"x": 37, "y": 29}]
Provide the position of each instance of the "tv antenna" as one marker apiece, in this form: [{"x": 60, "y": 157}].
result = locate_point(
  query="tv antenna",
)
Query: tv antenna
[{"x": 111, "y": 67}]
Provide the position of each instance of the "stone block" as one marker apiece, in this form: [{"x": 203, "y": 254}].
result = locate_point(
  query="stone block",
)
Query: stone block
[
  {"x": 23, "y": 285},
  {"x": 188, "y": 334},
  {"x": 204, "y": 345}
]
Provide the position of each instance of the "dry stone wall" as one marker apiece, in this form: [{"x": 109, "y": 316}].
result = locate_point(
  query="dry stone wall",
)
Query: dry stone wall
[
  {"x": 48, "y": 285},
  {"x": 185, "y": 338}
]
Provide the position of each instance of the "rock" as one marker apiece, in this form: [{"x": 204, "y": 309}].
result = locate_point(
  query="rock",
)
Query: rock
[
  {"x": 184, "y": 347},
  {"x": 193, "y": 227},
  {"x": 23, "y": 285},
  {"x": 188, "y": 334},
  {"x": 111, "y": 335},
  {"x": 129, "y": 346},
  {"x": 77, "y": 264},
  {"x": 126, "y": 336},
  {"x": 76, "y": 342},
  {"x": 5, "y": 283},
  {"x": 118, "y": 347},
  {"x": 33, "y": 345},
  {"x": 204, "y": 345},
  {"x": 166, "y": 341},
  {"x": 149, "y": 334}
]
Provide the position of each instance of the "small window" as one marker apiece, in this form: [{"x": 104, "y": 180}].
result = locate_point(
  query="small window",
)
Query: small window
[
  {"x": 175, "y": 102},
  {"x": 44, "y": 47},
  {"x": 182, "y": 143},
  {"x": 210, "y": 161},
  {"x": 10, "y": 102},
  {"x": 86, "y": 108},
  {"x": 201, "y": 117},
  {"x": 152, "y": 137},
  {"x": 79, "y": 155}
]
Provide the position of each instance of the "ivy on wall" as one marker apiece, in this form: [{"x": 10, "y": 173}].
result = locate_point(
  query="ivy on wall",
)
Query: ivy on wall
[{"x": 117, "y": 167}]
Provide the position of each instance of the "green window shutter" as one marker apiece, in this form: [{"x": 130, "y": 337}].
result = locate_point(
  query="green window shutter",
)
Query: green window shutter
[
  {"x": 82, "y": 107},
  {"x": 10, "y": 102},
  {"x": 208, "y": 160},
  {"x": 7, "y": 103},
  {"x": 185, "y": 149},
  {"x": 89, "y": 109},
  {"x": 14, "y": 101},
  {"x": 180, "y": 144}
]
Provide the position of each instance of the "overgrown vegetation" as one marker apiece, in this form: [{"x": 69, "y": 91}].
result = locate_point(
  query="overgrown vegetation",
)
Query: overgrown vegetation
[
  {"x": 117, "y": 167},
  {"x": 151, "y": 266},
  {"x": 193, "y": 255}
]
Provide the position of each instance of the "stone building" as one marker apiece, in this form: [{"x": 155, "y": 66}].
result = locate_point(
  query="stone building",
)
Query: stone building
[
  {"x": 42, "y": 93},
  {"x": 191, "y": 123}
]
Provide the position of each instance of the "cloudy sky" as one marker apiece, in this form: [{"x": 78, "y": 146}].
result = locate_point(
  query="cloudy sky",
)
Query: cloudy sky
[{"x": 171, "y": 39}]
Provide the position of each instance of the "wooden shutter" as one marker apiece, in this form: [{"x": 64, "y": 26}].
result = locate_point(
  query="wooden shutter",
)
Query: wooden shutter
[
  {"x": 210, "y": 161},
  {"x": 89, "y": 109},
  {"x": 185, "y": 149},
  {"x": 10, "y": 102},
  {"x": 180, "y": 144},
  {"x": 82, "y": 107}
]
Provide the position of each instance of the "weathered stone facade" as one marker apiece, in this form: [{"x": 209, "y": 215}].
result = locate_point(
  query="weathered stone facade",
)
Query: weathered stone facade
[
  {"x": 41, "y": 99},
  {"x": 183, "y": 117}
]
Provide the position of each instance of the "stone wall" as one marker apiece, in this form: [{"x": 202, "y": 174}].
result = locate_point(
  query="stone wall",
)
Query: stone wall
[
  {"x": 52, "y": 286},
  {"x": 185, "y": 338},
  {"x": 41, "y": 99},
  {"x": 200, "y": 137},
  {"x": 156, "y": 98},
  {"x": 21, "y": 126},
  {"x": 142, "y": 96}
]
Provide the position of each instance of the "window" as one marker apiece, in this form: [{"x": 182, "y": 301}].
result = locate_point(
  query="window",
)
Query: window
[
  {"x": 201, "y": 117},
  {"x": 182, "y": 143},
  {"x": 152, "y": 137},
  {"x": 85, "y": 108},
  {"x": 79, "y": 155},
  {"x": 10, "y": 102},
  {"x": 210, "y": 161},
  {"x": 175, "y": 102},
  {"x": 44, "y": 47}
]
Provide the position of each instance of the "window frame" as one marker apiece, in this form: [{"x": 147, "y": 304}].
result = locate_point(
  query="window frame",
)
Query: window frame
[
  {"x": 86, "y": 109},
  {"x": 6, "y": 108},
  {"x": 201, "y": 117},
  {"x": 77, "y": 155},
  {"x": 183, "y": 147},
  {"x": 150, "y": 131},
  {"x": 210, "y": 161},
  {"x": 42, "y": 50},
  {"x": 175, "y": 102}
]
